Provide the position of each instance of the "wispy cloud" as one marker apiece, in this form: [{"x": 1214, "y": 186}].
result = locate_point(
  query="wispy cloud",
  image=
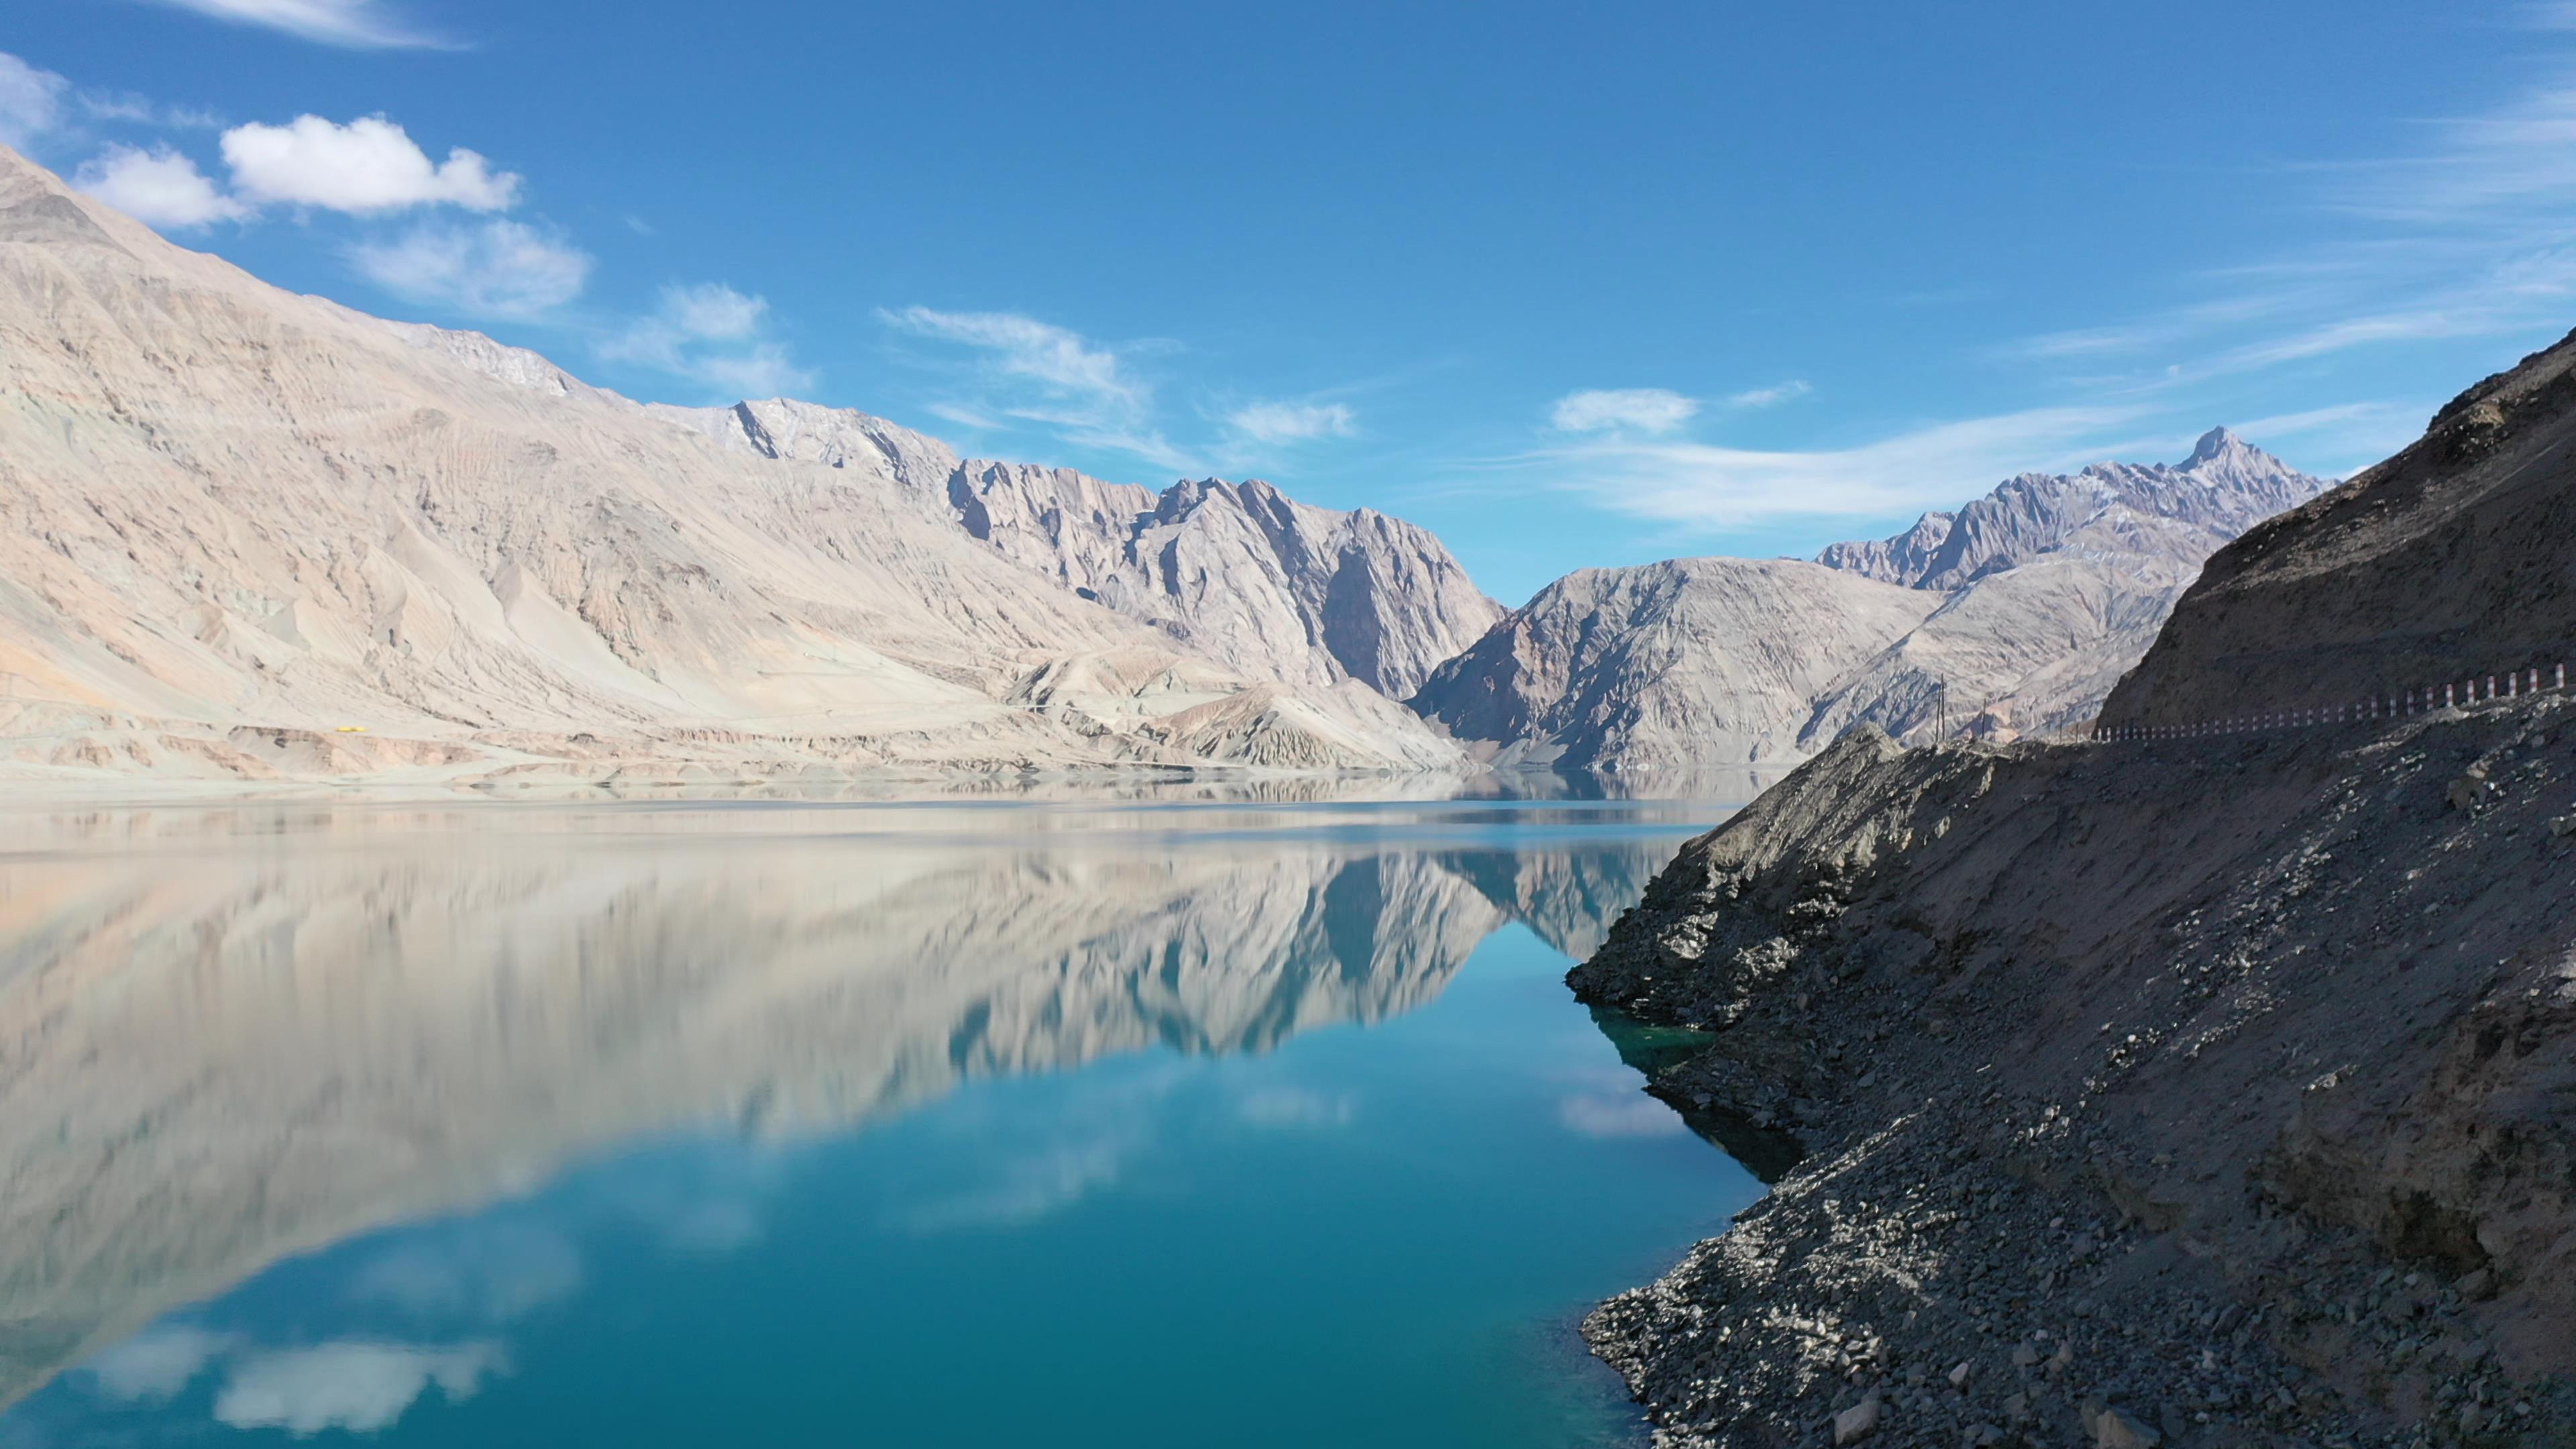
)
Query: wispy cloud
[
  {"x": 2463, "y": 236},
  {"x": 31, "y": 101},
  {"x": 157, "y": 1363},
  {"x": 495, "y": 269},
  {"x": 128, "y": 107},
  {"x": 1037, "y": 372},
  {"x": 1773, "y": 396},
  {"x": 356, "y": 24},
  {"x": 1278, "y": 423},
  {"x": 1280, "y": 1108},
  {"x": 1711, "y": 487},
  {"x": 491, "y": 1272},
  {"x": 714, "y": 335},
  {"x": 1629, "y": 409},
  {"x": 359, "y": 1386}
]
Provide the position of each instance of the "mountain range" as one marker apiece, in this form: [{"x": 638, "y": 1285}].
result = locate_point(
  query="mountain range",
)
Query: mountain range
[
  {"x": 261, "y": 537},
  {"x": 2014, "y": 615}
]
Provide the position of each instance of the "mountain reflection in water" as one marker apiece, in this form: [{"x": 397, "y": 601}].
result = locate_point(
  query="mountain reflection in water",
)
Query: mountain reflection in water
[{"x": 231, "y": 1036}]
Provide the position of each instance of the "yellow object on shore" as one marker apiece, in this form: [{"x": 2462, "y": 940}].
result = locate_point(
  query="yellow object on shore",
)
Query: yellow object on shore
[{"x": 353, "y": 729}]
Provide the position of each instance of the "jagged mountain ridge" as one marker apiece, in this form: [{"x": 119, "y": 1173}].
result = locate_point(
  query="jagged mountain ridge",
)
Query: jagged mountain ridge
[
  {"x": 2019, "y": 613},
  {"x": 2177, "y": 513},
  {"x": 241, "y": 520},
  {"x": 1238, "y": 572},
  {"x": 1668, "y": 666}
]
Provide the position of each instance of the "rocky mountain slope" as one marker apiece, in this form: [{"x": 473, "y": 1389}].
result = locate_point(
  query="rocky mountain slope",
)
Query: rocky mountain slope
[
  {"x": 380, "y": 1025},
  {"x": 2211, "y": 1092},
  {"x": 2017, "y": 615},
  {"x": 2173, "y": 515},
  {"x": 1668, "y": 666},
  {"x": 2451, "y": 559},
  {"x": 237, "y": 526},
  {"x": 1238, "y": 573}
]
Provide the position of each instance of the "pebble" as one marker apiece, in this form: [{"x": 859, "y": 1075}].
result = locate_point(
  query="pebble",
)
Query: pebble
[{"x": 1857, "y": 1422}]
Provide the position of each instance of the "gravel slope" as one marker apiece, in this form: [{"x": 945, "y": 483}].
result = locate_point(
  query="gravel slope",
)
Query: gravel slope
[{"x": 2228, "y": 1087}]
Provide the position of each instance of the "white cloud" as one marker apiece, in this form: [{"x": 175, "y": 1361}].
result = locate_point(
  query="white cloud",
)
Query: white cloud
[
  {"x": 1279, "y": 422},
  {"x": 495, "y": 1273},
  {"x": 720, "y": 1226},
  {"x": 354, "y": 1385},
  {"x": 1296, "y": 1107},
  {"x": 1763, "y": 397},
  {"x": 1631, "y": 409},
  {"x": 1045, "y": 374},
  {"x": 127, "y": 106},
  {"x": 712, "y": 334},
  {"x": 2290, "y": 425},
  {"x": 499, "y": 268},
  {"x": 31, "y": 101},
  {"x": 1032, "y": 1187},
  {"x": 360, "y": 24},
  {"x": 1715, "y": 487},
  {"x": 157, "y": 1363},
  {"x": 1051, "y": 356},
  {"x": 1628, "y": 1114},
  {"x": 715, "y": 312},
  {"x": 368, "y": 165},
  {"x": 964, "y": 416},
  {"x": 159, "y": 187}
]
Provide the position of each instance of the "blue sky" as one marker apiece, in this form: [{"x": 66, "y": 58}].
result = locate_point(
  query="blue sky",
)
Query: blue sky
[{"x": 1572, "y": 287}]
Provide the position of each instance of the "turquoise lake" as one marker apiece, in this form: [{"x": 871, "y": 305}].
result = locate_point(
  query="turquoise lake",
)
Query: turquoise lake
[{"x": 958, "y": 1124}]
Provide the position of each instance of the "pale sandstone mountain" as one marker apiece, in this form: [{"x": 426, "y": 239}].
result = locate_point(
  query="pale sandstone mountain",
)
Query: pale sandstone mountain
[
  {"x": 2058, "y": 583},
  {"x": 2176, "y": 513},
  {"x": 1239, "y": 573},
  {"x": 234, "y": 521},
  {"x": 1670, "y": 666},
  {"x": 303, "y": 1036},
  {"x": 2025, "y": 608}
]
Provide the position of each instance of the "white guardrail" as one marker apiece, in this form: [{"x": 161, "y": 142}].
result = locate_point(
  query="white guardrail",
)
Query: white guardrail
[{"x": 2512, "y": 684}]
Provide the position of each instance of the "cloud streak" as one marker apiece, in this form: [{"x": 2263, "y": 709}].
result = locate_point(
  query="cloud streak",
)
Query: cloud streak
[
  {"x": 2464, "y": 237},
  {"x": 496, "y": 269},
  {"x": 352, "y": 24},
  {"x": 1626, "y": 409},
  {"x": 31, "y": 101},
  {"x": 1037, "y": 372},
  {"x": 1707, "y": 486},
  {"x": 1278, "y": 423},
  {"x": 1766, "y": 397},
  {"x": 713, "y": 335}
]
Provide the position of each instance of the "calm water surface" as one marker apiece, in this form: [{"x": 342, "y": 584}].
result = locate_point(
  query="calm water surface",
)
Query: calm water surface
[{"x": 948, "y": 1125}]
